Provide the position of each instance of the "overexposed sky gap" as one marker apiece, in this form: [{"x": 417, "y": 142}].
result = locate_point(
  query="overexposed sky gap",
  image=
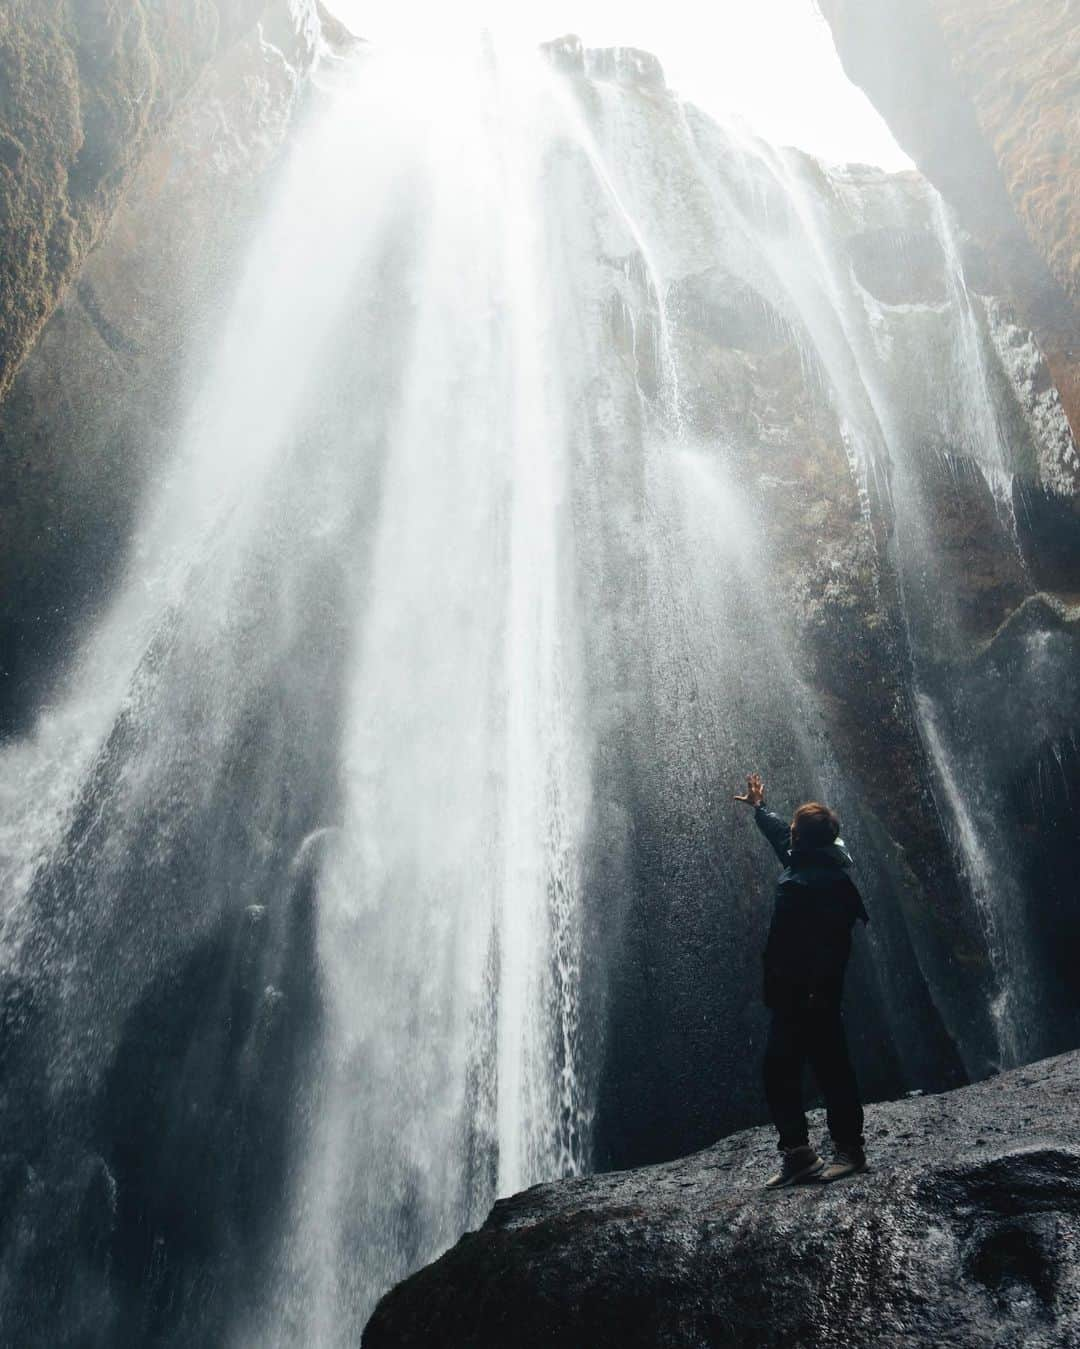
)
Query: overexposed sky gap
[{"x": 771, "y": 62}]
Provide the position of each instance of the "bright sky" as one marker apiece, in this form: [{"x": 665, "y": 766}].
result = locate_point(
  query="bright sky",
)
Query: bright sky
[{"x": 770, "y": 61}]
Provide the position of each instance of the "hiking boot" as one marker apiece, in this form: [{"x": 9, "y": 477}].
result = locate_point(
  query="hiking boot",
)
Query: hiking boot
[
  {"x": 846, "y": 1162},
  {"x": 797, "y": 1165}
]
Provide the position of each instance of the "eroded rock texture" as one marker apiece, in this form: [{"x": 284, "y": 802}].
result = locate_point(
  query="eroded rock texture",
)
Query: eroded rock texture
[
  {"x": 961, "y": 1234},
  {"x": 986, "y": 99}
]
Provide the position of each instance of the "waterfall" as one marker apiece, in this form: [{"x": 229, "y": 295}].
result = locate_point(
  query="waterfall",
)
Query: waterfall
[
  {"x": 557, "y": 464},
  {"x": 449, "y": 905}
]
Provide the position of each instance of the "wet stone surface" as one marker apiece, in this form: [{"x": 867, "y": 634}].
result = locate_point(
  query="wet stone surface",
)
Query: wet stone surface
[{"x": 963, "y": 1233}]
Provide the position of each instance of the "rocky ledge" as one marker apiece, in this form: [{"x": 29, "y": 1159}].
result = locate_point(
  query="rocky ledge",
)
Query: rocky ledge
[{"x": 965, "y": 1232}]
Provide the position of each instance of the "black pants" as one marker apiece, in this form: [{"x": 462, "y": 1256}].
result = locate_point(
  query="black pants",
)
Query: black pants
[{"x": 814, "y": 1035}]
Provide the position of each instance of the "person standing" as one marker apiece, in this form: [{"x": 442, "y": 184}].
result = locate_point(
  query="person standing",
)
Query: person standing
[{"x": 815, "y": 907}]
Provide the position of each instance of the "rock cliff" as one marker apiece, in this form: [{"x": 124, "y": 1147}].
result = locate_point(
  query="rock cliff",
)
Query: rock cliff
[
  {"x": 961, "y": 1234},
  {"x": 986, "y": 100}
]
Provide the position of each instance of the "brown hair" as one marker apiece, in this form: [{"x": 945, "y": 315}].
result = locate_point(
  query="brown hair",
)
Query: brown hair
[{"x": 814, "y": 826}]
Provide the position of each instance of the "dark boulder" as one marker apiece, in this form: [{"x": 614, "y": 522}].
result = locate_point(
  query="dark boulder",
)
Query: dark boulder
[{"x": 960, "y": 1234}]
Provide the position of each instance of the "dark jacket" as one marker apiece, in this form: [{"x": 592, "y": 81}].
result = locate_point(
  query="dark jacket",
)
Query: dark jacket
[{"x": 815, "y": 908}]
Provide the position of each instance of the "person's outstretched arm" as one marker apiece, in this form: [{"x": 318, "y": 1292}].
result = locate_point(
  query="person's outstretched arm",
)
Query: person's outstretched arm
[{"x": 772, "y": 826}]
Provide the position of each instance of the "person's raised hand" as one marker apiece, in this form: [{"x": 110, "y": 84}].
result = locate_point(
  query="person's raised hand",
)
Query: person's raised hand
[{"x": 755, "y": 791}]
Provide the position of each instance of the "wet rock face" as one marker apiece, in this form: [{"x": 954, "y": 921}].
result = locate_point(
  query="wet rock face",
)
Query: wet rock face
[
  {"x": 85, "y": 89},
  {"x": 985, "y": 99},
  {"x": 673, "y": 1079},
  {"x": 97, "y": 401},
  {"x": 959, "y": 1235}
]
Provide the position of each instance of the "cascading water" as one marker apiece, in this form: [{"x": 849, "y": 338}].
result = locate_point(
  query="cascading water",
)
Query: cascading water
[
  {"x": 554, "y": 468},
  {"x": 813, "y": 275},
  {"x": 449, "y": 901}
]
